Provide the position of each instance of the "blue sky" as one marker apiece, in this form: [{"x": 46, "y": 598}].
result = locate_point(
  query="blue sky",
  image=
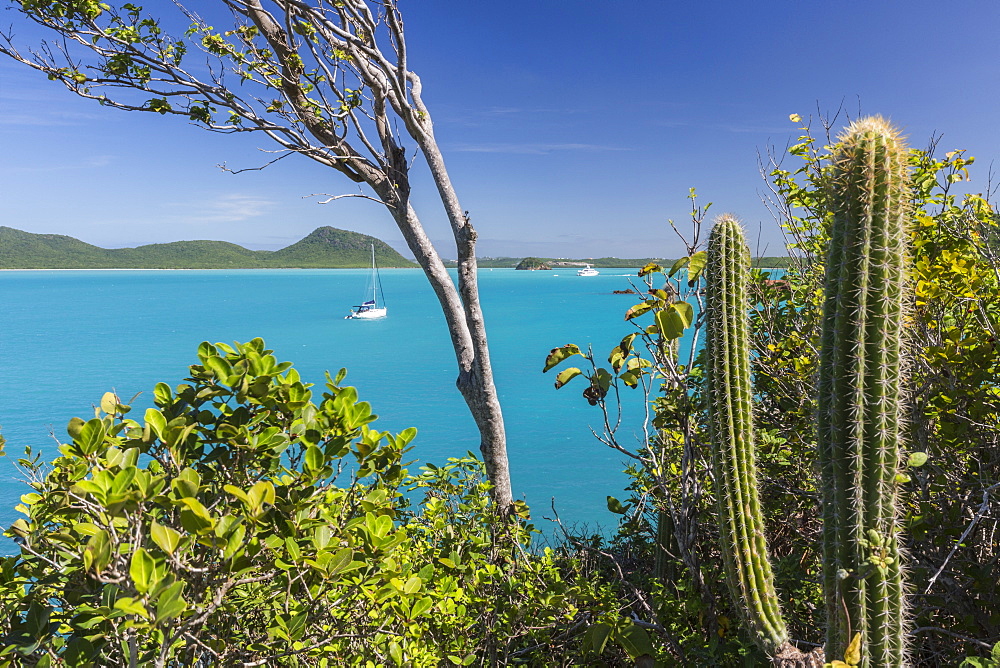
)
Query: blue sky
[{"x": 570, "y": 129}]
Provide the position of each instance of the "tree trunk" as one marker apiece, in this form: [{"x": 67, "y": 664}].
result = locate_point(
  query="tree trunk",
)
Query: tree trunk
[{"x": 468, "y": 338}]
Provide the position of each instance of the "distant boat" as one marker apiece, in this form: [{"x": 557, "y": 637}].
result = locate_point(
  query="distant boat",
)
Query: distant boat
[
  {"x": 588, "y": 271},
  {"x": 370, "y": 309}
]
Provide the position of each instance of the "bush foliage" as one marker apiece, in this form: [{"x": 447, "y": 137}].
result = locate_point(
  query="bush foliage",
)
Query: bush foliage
[
  {"x": 240, "y": 523},
  {"x": 950, "y": 490},
  {"x": 248, "y": 520}
]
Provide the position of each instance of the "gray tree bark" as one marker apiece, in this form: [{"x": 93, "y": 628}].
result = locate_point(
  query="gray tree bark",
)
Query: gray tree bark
[{"x": 330, "y": 81}]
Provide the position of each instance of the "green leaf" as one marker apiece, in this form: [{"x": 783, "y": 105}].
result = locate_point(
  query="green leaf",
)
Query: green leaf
[
  {"x": 296, "y": 625},
  {"x": 239, "y": 494},
  {"x": 159, "y": 105},
  {"x": 603, "y": 379},
  {"x": 162, "y": 394},
  {"x": 186, "y": 484},
  {"x": 696, "y": 266},
  {"x": 170, "y": 603},
  {"x": 670, "y": 323},
  {"x": 91, "y": 436},
  {"x": 635, "y": 641},
  {"x": 615, "y": 506},
  {"x": 220, "y": 368},
  {"x": 197, "y": 508},
  {"x": 678, "y": 265},
  {"x": 685, "y": 311},
  {"x": 567, "y": 375},
  {"x": 109, "y": 403},
  {"x": 195, "y": 517},
  {"x": 262, "y": 492},
  {"x": 123, "y": 479},
  {"x": 637, "y": 310},
  {"x": 396, "y": 653},
  {"x": 650, "y": 268},
  {"x": 131, "y": 606},
  {"x": 413, "y": 585},
  {"x": 421, "y": 606},
  {"x": 626, "y": 345},
  {"x": 74, "y": 427},
  {"x": 142, "y": 571},
  {"x": 916, "y": 459},
  {"x": 404, "y": 437},
  {"x": 380, "y": 526},
  {"x": 166, "y": 539},
  {"x": 340, "y": 561},
  {"x": 156, "y": 421},
  {"x": 97, "y": 554},
  {"x": 314, "y": 458},
  {"x": 598, "y": 635},
  {"x": 557, "y": 355}
]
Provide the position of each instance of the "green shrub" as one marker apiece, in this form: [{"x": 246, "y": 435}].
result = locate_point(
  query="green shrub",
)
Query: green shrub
[{"x": 239, "y": 522}]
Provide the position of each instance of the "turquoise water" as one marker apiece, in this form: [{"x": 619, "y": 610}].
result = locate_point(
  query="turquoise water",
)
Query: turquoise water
[{"x": 69, "y": 336}]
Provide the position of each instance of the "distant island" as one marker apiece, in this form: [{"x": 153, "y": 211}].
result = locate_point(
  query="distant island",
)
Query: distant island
[
  {"x": 530, "y": 263},
  {"x": 325, "y": 247},
  {"x": 537, "y": 263}
]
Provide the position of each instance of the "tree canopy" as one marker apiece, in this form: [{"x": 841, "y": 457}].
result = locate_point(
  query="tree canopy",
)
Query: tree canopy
[{"x": 327, "y": 80}]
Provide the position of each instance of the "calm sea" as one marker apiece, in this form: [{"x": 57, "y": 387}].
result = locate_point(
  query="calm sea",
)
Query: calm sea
[{"x": 69, "y": 336}]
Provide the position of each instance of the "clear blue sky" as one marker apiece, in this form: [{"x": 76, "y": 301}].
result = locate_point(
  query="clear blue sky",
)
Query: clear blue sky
[{"x": 570, "y": 129}]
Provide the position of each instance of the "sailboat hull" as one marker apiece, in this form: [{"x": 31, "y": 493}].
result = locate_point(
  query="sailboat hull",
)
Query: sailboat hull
[
  {"x": 370, "y": 310},
  {"x": 370, "y": 314}
]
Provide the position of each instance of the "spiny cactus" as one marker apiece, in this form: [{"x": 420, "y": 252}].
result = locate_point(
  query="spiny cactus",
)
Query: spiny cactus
[
  {"x": 730, "y": 399},
  {"x": 859, "y": 410},
  {"x": 859, "y": 403}
]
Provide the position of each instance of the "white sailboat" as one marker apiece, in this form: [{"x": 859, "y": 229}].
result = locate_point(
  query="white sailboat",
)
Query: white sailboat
[{"x": 370, "y": 309}]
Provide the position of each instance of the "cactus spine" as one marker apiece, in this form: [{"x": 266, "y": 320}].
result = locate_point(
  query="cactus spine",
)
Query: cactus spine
[
  {"x": 859, "y": 402},
  {"x": 748, "y": 572},
  {"x": 859, "y": 410}
]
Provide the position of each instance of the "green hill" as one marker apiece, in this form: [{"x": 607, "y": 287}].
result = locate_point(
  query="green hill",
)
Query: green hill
[
  {"x": 23, "y": 250},
  {"x": 350, "y": 249},
  {"x": 325, "y": 247},
  {"x": 532, "y": 263},
  {"x": 186, "y": 255}
]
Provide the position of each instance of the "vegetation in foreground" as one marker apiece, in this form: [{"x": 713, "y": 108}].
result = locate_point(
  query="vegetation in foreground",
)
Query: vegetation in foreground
[
  {"x": 240, "y": 522},
  {"x": 947, "y": 478}
]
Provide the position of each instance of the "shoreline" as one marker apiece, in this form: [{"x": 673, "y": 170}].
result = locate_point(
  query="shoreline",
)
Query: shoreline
[{"x": 192, "y": 268}]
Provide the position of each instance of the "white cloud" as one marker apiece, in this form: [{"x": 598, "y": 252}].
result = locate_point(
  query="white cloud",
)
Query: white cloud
[{"x": 229, "y": 208}]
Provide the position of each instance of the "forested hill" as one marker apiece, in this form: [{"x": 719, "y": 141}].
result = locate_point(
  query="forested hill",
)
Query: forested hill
[{"x": 325, "y": 247}]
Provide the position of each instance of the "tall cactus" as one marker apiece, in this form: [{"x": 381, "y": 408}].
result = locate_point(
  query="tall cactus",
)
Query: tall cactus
[
  {"x": 744, "y": 547},
  {"x": 859, "y": 402},
  {"x": 858, "y": 416}
]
